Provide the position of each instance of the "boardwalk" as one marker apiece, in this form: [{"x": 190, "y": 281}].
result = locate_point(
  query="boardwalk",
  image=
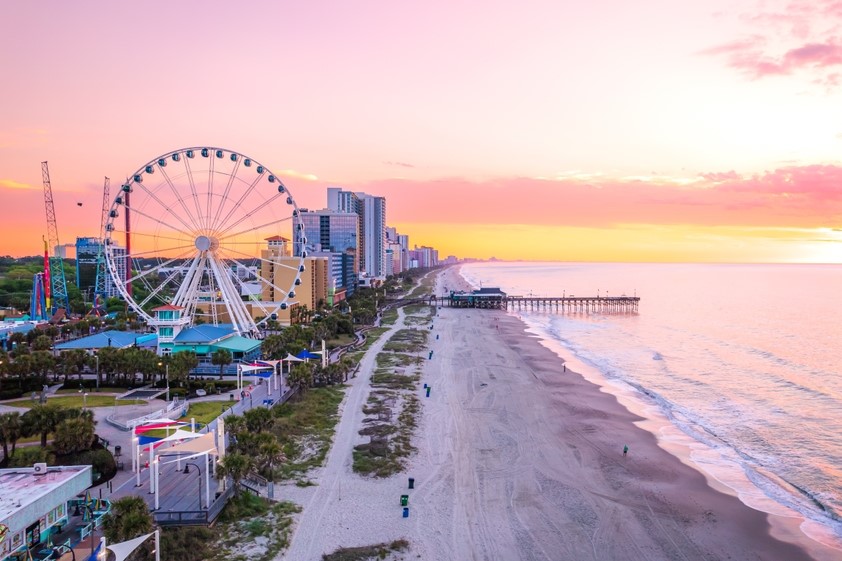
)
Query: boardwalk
[{"x": 189, "y": 498}]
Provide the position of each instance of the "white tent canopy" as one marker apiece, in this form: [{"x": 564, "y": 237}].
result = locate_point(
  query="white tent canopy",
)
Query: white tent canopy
[
  {"x": 124, "y": 549},
  {"x": 247, "y": 368},
  {"x": 179, "y": 434},
  {"x": 204, "y": 444}
]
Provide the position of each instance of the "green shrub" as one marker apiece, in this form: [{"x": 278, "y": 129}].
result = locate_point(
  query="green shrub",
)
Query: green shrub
[{"x": 28, "y": 455}]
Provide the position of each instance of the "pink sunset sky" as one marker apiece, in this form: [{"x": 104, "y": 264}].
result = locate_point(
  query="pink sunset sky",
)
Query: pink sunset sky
[{"x": 605, "y": 130}]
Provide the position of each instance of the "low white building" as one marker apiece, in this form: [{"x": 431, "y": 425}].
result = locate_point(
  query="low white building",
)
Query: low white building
[{"x": 34, "y": 504}]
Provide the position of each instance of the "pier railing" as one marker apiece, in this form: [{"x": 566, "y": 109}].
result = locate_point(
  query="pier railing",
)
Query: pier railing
[{"x": 560, "y": 304}]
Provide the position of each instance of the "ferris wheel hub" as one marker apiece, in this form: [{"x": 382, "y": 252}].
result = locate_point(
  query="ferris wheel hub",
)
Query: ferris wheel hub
[{"x": 206, "y": 243}]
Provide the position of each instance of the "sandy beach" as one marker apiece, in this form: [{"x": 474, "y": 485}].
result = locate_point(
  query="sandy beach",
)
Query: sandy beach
[{"x": 518, "y": 459}]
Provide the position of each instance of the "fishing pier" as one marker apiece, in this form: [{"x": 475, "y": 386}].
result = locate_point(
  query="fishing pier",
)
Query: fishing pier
[{"x": 495, "y": 299}]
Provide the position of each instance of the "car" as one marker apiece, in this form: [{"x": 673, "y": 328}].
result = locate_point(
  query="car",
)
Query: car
[{"x": 201, "y": 393}]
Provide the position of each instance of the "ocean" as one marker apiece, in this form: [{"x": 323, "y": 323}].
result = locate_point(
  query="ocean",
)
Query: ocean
[{"x": 735, "y": 367}]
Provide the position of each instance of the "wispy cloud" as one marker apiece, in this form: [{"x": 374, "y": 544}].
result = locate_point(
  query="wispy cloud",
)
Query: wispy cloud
[
  {"x": 801, "y": 36},
  {"x": 11, "y": 184},
  {"x": 399, "y": 164}
]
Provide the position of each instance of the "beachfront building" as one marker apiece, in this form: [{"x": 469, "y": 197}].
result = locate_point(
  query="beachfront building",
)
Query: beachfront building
[
  {"x": 36, "y": 504},
  {"x": 371, "y": 210},
  {"x": 424, "y": 256},
  {"x": 334, "y": 235},
  {"x": 483, "y": 298},
  {"x": 278, "y": 268}
]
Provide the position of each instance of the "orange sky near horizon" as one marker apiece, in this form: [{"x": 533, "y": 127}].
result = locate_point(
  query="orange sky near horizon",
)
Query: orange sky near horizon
[{"x": 542, "y": 130}]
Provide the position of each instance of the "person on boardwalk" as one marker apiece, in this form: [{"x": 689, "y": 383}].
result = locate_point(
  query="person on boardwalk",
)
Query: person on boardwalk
[{"x": 625, "y": 449}]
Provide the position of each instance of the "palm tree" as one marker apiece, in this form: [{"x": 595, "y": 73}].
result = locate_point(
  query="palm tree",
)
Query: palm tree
[
  {"x": 21, "y": 367},
  {"x": 73, "y": 435},
  {"x": 128, "y": 519},
  {"x": 301, "y": 375},
  {"x": 271, "y": 454},
  {"x": 43, "y": 362},
  {"x": 181, "y": 364},
  {"x": 10, "y": 431},
  {"x": 236, "y": 466},
  {"x": 4, "y": 365},
  {"x": 221, "y": 358},
  {"x": 258, "y": 419},
  {"x": 41, "y": 419}
]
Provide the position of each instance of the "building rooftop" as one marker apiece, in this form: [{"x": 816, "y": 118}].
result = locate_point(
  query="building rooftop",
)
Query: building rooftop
[
  {"x": 21, "y": 488},
  {"x": 167, "y": 308},
  {"x": 111, "y": 338},
  {"x": 205, "y": 333}
]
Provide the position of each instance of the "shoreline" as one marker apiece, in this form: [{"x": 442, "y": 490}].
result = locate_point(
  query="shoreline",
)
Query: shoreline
[
  {"x": 517, "y": 459},
  {"x": 711, "y": 514}
]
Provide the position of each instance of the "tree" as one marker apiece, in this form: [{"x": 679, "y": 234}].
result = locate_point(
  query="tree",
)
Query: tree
[
  {"x": 181, "y": 364},
  {"x": 5, "y": 367},
  {"x": 41, "y": 419},
  {"x": 43, "y": 362},
  {"x": 10, "y": 431},
  {"x": 258, "y": 419},
  {"x": 271, "y": 454},
  {"x": 73, "y": 435},
  {"x": 109, "y": 362},
  {"x": 221, "y": 358},
  {"x": 128, "y": 519},
  {"x": 72, "y": 362},
  {"x": 301, "y": 375},
  {"x": 21, "y": 367},
  {"x": 236, "y": 466},
  {"x": 42, "y": 343}
]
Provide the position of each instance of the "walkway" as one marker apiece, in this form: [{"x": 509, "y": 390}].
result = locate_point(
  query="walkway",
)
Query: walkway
[{"x": 305, "y": 542}]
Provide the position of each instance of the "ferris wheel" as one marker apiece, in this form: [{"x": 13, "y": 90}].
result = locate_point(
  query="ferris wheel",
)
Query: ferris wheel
[{"x": 210, "y": 231}]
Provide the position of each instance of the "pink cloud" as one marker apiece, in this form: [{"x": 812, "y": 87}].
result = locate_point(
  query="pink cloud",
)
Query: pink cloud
[
  {"x": 808, "y": 196},
  {"x": 801, "y": 37},
  {"x": 717, "y": 177}
]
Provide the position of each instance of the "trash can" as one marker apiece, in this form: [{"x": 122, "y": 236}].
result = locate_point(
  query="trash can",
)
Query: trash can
[
  {"x": 412, "y": 483},
  {"x": 404, "y": 500},
  {"x": 118, "y": 450},
  {"x": 406, "y": 512}
]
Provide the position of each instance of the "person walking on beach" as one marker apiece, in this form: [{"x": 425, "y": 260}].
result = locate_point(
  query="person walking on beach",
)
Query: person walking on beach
[{"x": 625, "y": 449}]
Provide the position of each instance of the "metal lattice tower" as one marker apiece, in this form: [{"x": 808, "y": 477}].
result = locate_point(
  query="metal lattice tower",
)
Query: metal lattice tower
[
  {"x": 57, "y": 279},
  {"x": 101, "y": 267}
]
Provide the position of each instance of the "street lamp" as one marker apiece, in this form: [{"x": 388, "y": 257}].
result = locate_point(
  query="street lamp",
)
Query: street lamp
[
  {"x": 96, "y": 356},
  {"x": 167, "y": 376},
  {"x": 187, "y": 470}
]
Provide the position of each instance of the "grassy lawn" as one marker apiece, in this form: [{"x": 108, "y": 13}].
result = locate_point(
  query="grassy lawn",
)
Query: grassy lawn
[
  {"x": 206, "y": 411},
  {"x": 77, "y": 400}
]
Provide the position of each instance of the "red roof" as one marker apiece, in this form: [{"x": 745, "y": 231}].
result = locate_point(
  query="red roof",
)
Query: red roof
[
  {"x": 167, "y": 308},
  {"x": 277, "y": 239}
]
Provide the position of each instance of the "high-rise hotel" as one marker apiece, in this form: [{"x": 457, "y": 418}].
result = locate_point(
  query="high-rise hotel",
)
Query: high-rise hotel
[{"x": 372, "y": 215}]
